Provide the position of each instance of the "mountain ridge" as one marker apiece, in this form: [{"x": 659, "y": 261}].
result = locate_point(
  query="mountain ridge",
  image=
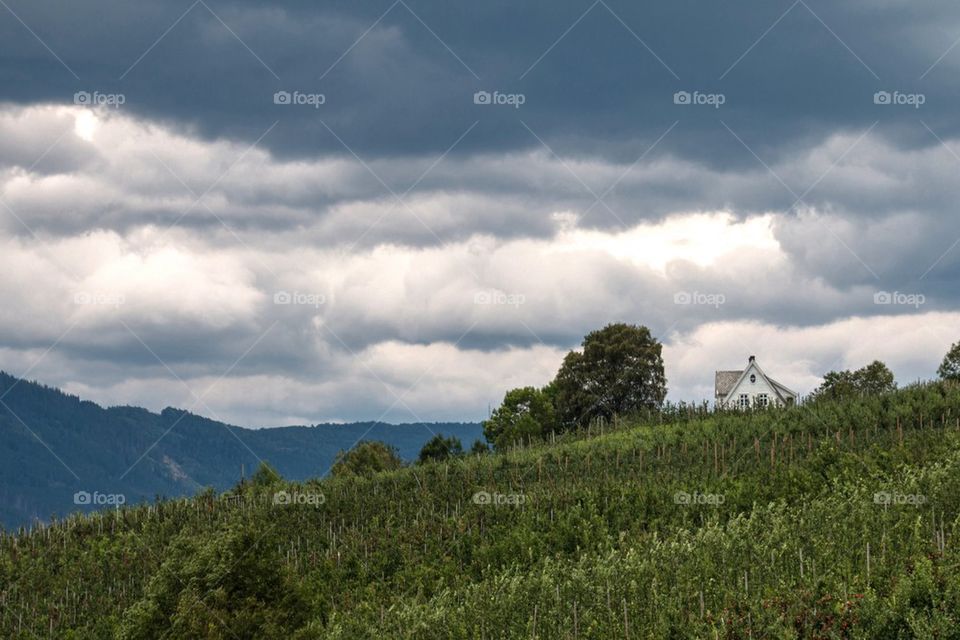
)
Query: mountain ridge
[{"x": 54, "y": 445}]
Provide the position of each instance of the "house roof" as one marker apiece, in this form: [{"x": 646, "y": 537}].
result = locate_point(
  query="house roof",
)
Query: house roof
[{"x": 725, "y": 380}]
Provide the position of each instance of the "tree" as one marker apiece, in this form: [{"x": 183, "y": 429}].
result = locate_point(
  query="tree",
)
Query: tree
[
  {"x": 231, "y": 583},
  {"x": 525, "y": 413},
  {"x": 836, "y": 385},
  {"x": 440, "y": 448},
  {"x": 950, "y": 367},
  {"x": 620, "y": 370},
  {"x": 479, "y": 447},
  {"x": 873, "y": 379},
  {"x": 265, "y": 476},
  {"x": 367, "y": 458}
]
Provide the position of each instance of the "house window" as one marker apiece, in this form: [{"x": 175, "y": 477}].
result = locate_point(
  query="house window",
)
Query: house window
[
  {"x": 753, "y": 377},
  {"x": 744, "y": 401},
  {"x": 763, "y": 400}
]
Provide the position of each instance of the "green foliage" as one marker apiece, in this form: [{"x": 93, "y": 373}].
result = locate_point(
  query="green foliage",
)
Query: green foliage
[
  {"x": 367, "y": 458},
  {"x": 950, "y": 367},
  {"x": 479, "y": 447},
  {"x": 205, "y": 582},
  {"x": 439, "y": 448},
  {"x": 873, "y": 379},
  {"x": 265, "y": 476},
  {"x": 618, "y": 372},
  {"x": 609, "y": 540},
  {"x": 525, "y": 414}
]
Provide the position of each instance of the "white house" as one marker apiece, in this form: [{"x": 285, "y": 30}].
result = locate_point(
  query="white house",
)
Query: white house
[{"x": 750, "y": 387}]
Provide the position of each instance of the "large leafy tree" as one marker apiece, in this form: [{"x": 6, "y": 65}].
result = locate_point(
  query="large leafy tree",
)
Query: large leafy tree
[
  {"x": 619, "y": 371},
  {"x": 873, "y": 379},
  {"x": 950, "y": 367},
  {"x": 526, "y": 413},
  {"x": 367, "y": 458}
]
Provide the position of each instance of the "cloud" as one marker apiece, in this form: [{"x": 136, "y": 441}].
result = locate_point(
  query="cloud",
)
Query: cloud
[
  {"x": 419, "y": 239},
  {"x": 399, "y": 80}
]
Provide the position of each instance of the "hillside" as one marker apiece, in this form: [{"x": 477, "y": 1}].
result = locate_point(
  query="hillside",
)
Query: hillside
[
  {"x": 828, "y": 521},
  {"x": 53, "y": 445}
]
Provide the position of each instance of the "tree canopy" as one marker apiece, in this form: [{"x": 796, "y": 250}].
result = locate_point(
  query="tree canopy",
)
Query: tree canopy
[
  {"x": 367, "y": 458},
  {"x": 525, "y": 412},
  {"x": 873, "y": 379},
  {"x": 950, "y": 367},
  {"x": 440, "y": 448},
  {"x": 618, "y": 371}
]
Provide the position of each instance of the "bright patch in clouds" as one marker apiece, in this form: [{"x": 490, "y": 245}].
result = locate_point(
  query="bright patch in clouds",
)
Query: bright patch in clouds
[
  {"x": 86, "y": 124},
  {"x": 701, "y": 238}
]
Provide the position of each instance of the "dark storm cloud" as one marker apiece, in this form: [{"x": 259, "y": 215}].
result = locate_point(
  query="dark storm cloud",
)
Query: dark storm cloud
[{"x": 597, "y": 78}]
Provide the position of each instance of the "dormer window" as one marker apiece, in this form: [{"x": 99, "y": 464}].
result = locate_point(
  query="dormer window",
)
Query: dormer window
[{"x": 753, "y": 377}]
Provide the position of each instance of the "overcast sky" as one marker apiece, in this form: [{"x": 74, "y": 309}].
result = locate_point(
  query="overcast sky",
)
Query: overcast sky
[{"x": 296, "y": 212}]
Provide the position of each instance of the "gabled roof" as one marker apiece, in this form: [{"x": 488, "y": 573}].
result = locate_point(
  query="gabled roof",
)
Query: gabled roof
[
  {"x": 724, "y": 377},
  {"x": 782, "y": 388},
  {"x": 725, "y": 381}
]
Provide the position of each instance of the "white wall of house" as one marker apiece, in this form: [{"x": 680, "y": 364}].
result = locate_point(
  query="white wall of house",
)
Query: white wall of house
[{"x": 752, "y": 390}]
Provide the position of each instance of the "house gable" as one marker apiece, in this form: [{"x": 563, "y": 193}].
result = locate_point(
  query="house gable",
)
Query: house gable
[{"x": 752, "y": 388}]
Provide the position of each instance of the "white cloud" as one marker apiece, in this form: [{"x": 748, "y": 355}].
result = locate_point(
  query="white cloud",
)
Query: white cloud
[{"x": 494, "y": 271}]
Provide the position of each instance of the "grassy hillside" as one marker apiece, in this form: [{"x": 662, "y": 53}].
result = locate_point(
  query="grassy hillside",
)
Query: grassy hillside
[{"x": 829, "y": 521}]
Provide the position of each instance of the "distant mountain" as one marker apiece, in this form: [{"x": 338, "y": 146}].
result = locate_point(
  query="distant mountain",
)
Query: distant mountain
[{"x": 54, "y": 445}]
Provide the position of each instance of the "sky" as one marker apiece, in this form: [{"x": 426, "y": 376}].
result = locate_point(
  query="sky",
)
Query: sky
[{"x": 297, "y": 212}]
